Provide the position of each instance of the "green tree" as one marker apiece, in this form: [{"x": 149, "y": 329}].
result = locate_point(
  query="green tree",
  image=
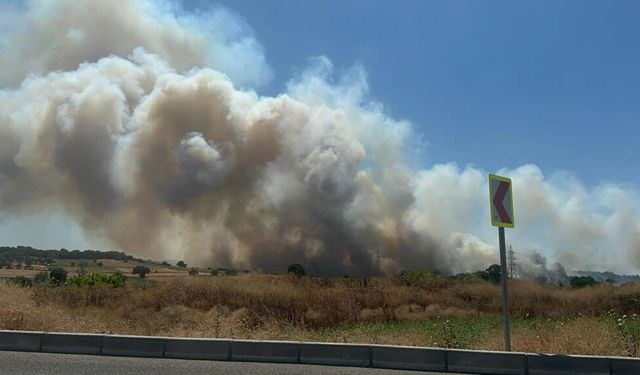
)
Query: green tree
[
  {"x": 181, "y": 264},
  {"x": 296, "y": 270},
  {"x": 141, "y": 271},
  {"x": 493, "y": 274},
  {"x": 58, "y": 276},
  {"x": 582, "y": 281}
]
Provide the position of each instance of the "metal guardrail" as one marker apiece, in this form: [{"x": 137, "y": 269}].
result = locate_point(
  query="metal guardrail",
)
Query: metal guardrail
[{"x": 355, "y": 355}]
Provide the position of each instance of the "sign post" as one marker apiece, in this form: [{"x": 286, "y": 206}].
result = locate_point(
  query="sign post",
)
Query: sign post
[{"x": 501, "y": 203}]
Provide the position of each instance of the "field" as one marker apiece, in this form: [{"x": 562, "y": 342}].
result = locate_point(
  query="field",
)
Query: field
[
  {"x": 107, "y": 266},
  {"x": 597, "y": 320}
]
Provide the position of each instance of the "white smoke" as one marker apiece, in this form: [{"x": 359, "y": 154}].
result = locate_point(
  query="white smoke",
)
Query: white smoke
[
  {"x": 137, "y": 118},
  {"x": 51, "y": 36}
]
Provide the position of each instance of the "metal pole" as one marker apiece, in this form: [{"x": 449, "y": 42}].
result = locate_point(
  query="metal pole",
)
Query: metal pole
[{"x": 505, "y": 290}]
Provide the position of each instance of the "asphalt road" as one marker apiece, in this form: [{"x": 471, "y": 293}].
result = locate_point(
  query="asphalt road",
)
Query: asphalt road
[{"x": 19, "y": 363}]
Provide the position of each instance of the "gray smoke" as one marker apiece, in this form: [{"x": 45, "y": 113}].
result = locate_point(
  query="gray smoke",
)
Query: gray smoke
[
  {"x": 533, "y": 266},
  {"x": 140, "y": 120}
]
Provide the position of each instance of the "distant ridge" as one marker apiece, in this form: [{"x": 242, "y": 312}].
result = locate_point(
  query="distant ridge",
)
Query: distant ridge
[
  {"x": 609, "y": 276},
  {"x": 19, "y": 253}
]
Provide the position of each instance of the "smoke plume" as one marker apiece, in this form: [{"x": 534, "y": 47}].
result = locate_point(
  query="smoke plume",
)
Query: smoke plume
[{"x": 142, "y": 122}]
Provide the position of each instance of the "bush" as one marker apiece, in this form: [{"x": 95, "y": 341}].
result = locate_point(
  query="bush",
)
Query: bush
[
  {"x": 116, "y": 280},
  {"x": 193, "y": 271},
  {"x": 41, "y": 278},
  {"x": 582, "y": 281},
  {"x": 421, "y": 279},
  {"x": 22, "y": 281},
  {"x": 224, "y": 272},
  {"x": 141, "y": 271},
  {"x": 58, "y": 276},
  {"x": 296, "y": 270}
]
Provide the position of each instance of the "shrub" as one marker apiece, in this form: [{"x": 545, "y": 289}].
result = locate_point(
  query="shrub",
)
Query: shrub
[
  {"x": 421, "y": 279},
  {"x": 58, "y": 276},
  {"x": 141, "y": 271},
  {"x": 41, "y": 278},
  {"x": 224, "y": 272},
  {"x": 629, "y": 328},
  {"x": 582, "y": 281},
  {"x": 193, "y": 271},
  {"x": 296, "y": 270},
  {"x": 116, "y": 280},
  {"x": 22, "y": 281}
]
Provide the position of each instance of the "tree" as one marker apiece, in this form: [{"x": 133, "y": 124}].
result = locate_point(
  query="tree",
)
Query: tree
[
  {"x": 193, "y": 271},
  {"x": 141, "y": 271},
  {"x": 58, "y": 276},
  {"x": 493, "y": 273},
  {"x": 582, "y": 281},
  {"x": 296, "y": 270},
  {"x": 181, "y": 264}
]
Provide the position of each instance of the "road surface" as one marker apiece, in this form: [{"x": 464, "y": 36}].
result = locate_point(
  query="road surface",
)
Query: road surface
[{"x": 20, "y": 363}]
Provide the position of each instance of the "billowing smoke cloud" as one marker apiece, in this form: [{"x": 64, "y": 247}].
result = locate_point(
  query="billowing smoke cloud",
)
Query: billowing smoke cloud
[
  {"x": 139, "y": 120},
  {"x": 533, "y": 266}
]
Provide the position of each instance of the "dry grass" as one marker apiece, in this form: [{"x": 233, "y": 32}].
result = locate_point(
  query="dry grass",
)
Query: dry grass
[
  {"x": 546, "y": 318},
  {"x": 589, "y": 336}
]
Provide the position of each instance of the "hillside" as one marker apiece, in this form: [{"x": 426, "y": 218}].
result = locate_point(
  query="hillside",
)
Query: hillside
[{"x": 27, "y": 261}]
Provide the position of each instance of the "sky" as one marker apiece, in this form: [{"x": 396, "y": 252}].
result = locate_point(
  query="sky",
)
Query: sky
[
  {"x": 413, "y": 103},
  {"x": 493, "y": 84}
]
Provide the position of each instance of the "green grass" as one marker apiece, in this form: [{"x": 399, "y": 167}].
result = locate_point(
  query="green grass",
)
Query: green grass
[
  {"x": 460, "y": 333},
  {"x": 450, "y": 333}
]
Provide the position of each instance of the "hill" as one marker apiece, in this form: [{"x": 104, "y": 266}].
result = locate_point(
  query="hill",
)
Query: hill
[
  {"x": 608, "y": 276},
  {"x": 27, "y": 261}
]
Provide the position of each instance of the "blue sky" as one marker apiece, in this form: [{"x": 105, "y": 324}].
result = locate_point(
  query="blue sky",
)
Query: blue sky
[{"x": 493, "y": 83}]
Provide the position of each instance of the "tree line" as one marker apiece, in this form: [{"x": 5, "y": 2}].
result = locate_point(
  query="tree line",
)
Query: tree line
[{"x": 27, "y": 254}]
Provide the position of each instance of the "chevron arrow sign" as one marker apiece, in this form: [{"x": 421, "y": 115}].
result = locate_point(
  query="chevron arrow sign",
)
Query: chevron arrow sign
[{"x": 501, "y": 201}]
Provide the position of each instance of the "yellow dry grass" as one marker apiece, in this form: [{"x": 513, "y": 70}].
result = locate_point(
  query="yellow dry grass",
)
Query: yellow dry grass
[{"x": 379, "y": 310}]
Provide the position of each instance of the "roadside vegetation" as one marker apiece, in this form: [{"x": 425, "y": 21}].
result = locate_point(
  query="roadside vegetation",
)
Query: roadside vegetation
[{"x": 415, "y": 308}]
